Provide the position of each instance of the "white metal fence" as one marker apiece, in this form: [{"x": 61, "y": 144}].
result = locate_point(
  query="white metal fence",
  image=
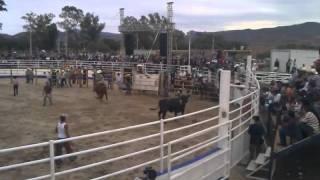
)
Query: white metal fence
[
  {"x": 267, "y": 77},
  {"x": 222, "y": 127},
  {"x": 113, "y": 66}
]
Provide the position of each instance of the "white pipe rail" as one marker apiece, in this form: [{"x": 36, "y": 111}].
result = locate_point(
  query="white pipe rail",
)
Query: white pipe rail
[
  {"x": 53, "y": 158},
  {"x": 252, "y": 95}
]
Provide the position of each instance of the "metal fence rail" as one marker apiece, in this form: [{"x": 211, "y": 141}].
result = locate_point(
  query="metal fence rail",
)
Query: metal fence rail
[
  {"x": 267, "y": 77},
  {"x": 229, "y": 135},
  {"x": 161, "y": 133},
  {"x": 114, "y": 66}
]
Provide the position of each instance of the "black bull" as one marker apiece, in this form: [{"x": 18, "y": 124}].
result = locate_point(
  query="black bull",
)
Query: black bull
[
  {"x": 175, "y": 105},
  {"x": 101, "y": 90}
]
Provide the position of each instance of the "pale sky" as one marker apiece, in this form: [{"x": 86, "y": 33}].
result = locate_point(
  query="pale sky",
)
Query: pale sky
[{"x": 199, "y": 15}]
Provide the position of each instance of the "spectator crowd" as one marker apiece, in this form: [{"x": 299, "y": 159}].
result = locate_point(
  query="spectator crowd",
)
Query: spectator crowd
[{"x": 294, "y": 106}]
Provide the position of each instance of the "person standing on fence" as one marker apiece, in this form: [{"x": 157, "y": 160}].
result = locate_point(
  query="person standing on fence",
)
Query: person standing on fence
[
  {"x": 256, "y": 132},
  {"x": 15, "y": 86},
  {"x": 47, "y": 94},
  {"x": 62, "y": 130}
]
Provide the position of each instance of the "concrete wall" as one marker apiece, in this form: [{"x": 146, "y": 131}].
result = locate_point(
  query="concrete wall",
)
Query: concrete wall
[
  {"x": 282, "y": 56},
  {"x": 306, "y": 57}
]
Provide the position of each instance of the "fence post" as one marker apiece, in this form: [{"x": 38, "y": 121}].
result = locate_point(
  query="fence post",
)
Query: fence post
[
  {"x": 35, "y": 76},
  {"x": 52, "y": 163},
  {"x": 161, "y": 144},
  {"x": 169, "y": 161},
  {"x": 248, "y": 70},
  {"x": 224, "y": 99},
  {"x": 11, "y": 80}
]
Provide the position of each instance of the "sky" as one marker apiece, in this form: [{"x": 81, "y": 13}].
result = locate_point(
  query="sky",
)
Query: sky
[{"x": 198, "y": 15}]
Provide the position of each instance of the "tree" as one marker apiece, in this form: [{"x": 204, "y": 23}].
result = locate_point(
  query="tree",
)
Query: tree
[
  {"x": 90, "y": 29},
  {"x": 2, "y": 5},
  {"x": 150, "y": 22},
  {"x": 2, "y": 8},
  {"x": 72, "y": 17},
  {"x": 40, "y": 25},
  {"x": 180, "y": 40},
  {"x": 30, "y": 19},
  {"x": 51, "y": 36}
]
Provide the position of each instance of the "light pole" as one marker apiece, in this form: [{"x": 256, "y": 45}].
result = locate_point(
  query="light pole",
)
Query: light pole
[
  {"x": 189, "y": 57},
  {"x": 30, "y": 42}
]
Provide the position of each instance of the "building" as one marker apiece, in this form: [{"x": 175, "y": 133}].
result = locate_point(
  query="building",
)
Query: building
[{"x": 306, "y": 57}]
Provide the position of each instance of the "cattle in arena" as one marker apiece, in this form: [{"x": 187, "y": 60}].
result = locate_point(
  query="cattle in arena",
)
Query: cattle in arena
[
  {"x": 101, "y": 91},
  {"x": 100, "y": 85},
  {"x": 175, "y": 105}
]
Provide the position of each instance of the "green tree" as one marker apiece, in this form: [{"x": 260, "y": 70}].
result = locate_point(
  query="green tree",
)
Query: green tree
[
  {"x": 90, "y": 29},
  {"x": 30, "y": 19},
  {"x": 39, "y": 25},
  {"x": 51, "y": 37},
  {"x": 2, "y": 5},
  {"x": 2, "y": 8},
  {"x": 180, "y": 40},
  {"x": 72, "y": 18},
  {"x": 150, "y": 23}
]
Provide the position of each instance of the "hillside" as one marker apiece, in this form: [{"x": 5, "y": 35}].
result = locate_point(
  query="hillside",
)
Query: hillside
[{"x": 262, "y": 40}]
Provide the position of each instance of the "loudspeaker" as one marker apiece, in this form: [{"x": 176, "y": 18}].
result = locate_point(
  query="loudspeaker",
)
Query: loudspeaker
[
  {"x": 163, "y": 44},
  {"x": 129, "y": 44}
]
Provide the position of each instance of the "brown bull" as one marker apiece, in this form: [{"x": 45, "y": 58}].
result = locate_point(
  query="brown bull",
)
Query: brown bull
[{"x": 101, "y": 90}]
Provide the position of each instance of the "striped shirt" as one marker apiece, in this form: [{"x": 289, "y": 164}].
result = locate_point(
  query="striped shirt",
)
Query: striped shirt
[{"x": 311, "y": 120}]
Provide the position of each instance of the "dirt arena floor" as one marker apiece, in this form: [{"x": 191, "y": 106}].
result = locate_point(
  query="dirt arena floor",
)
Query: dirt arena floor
[{"x": 25, "y": 121}]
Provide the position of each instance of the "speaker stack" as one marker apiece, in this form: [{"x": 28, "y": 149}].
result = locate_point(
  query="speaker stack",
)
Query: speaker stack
[
  {"x": 163, "y": 44},
  {"x": 129, "y": 44}
]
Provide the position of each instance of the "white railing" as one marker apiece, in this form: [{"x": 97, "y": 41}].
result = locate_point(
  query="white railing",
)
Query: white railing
[
  {"x": 232, "y": 139},
  {"x": 225, "y": 131},
  {"x": 114, "y": 66},
  {"x": 50, "y": 160},
  {"x": 267, "y": 77}
]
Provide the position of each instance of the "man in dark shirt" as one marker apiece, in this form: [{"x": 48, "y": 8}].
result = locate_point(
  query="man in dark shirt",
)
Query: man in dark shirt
[
  {"x": 47, "y": 94},
  {"x": 289, "y": 127},
  {"x": 15, "y": 86},
  {"x": 276, "y": 65},
  {"x": 256, "y": 132}
]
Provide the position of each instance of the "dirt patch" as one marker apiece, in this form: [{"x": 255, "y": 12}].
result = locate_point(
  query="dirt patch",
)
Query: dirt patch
[{"x": 25, "y": 121}]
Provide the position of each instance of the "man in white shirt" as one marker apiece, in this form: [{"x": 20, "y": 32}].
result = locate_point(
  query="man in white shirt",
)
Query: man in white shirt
[{"x": 62, "y": 130}]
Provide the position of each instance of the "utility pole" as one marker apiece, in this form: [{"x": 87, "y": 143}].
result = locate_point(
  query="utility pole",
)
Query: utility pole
[
  {"x": 137, "y": 40},
  {"x": 122, "y": 50},
  {"x": 170, "y": 32},
  {"x": 212, "y": 43},
  {"x": 30, "y": 42},
  {"x": 189, "y": 57},
  {"x": 66, "y": 42},
  {"x": 58, "y": 45}
]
